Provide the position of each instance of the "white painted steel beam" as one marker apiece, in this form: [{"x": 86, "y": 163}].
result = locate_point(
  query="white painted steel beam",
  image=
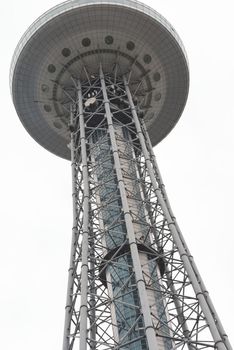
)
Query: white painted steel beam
[
  {"x": 145, "y": 309},
  {"x": 219, "y": 342},
  {"x": 193, "y": 264}
]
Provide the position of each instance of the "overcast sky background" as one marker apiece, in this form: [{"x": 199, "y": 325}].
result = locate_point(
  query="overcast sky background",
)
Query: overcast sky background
[{"x": 196, "y": 161}]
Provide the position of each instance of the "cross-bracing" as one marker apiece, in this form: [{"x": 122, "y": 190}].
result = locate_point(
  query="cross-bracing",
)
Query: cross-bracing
[{"x": 133, "y": 283}]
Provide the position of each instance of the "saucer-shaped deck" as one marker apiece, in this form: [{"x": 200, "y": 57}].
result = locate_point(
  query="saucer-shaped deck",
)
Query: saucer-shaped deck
[{"x": 72, "y": 39}]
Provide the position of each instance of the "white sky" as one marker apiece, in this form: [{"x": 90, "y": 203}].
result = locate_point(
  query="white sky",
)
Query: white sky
[{"x": 196, "y": 161}]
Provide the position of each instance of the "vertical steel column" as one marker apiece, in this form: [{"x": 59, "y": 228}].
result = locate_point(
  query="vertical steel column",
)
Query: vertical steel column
[
  {"x": 149, "y": 329},
  {"x": 71, "y": 271},
  {"x": 68, "y": 337},
  {"x": 170, "y": 285},
  {"x": 203, "y": 287},
  {"x": 84, "y": 266},
  {"x": 92, "y": 298},
  {"x": 184, "y": 256}
]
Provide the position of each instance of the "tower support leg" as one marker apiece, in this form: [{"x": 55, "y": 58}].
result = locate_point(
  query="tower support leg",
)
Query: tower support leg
[
  {"x": 219, "y": 342},
  {"x": 167, "y": 202}
]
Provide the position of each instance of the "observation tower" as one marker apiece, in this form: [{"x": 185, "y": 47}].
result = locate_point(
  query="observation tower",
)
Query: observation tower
[{"x": 100, "y": 83}]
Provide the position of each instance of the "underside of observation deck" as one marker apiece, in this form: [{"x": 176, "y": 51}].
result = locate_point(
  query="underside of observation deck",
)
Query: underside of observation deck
[{"x": 70, "y": 41}]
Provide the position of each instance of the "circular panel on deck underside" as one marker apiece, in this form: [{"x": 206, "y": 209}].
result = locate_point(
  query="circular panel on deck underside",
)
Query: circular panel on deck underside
[{"x": 75, "y": 33}]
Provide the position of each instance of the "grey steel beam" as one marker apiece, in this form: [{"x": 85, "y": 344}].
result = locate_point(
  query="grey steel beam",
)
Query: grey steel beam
[
  {"x": 170, "y": 285},
  {"x": 194, "y": 266},
  {"x": 77, "y": 123},
  {"x": 84, "y": 266},
  {"x": 183, "y": 253},
  {"x": 145, "y": 309},
  {"x": 71, "y": 271}
]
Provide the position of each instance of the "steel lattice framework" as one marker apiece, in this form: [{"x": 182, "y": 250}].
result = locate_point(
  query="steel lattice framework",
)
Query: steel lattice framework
[
  {"x": 97, "y": 82},
  {"x": 133, "y": 283}
]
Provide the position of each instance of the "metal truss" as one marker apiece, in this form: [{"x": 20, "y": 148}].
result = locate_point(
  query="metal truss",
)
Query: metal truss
[{"x": 133, "y": 283}]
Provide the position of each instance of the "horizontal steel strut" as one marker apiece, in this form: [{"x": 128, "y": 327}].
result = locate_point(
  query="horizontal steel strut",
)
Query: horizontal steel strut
[{"x": 132, "y": 283}]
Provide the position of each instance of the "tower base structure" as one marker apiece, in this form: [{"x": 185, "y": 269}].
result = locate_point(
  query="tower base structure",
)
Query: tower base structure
[{"x": 133, "y": 283}]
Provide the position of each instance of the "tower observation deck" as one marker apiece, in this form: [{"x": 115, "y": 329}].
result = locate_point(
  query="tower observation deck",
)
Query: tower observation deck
[{"x": 99, "y": 83}]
